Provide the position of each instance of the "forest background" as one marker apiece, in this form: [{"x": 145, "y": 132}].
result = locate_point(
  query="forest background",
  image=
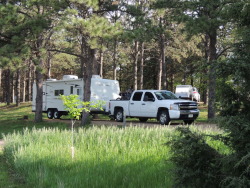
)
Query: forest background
[{"x": 144, "y": 44}]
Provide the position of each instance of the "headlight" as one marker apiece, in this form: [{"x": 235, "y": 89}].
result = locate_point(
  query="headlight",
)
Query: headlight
[{"x": 174, "y": 107}]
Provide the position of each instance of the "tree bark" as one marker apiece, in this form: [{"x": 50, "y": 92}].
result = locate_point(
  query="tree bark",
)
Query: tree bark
[
  {"x": 94, "y": 63},
  {"x": 24, "y": 86},
  {"x": 136, "y": 56},
  {"x": 87, "y": 74},
  {"x": 212, "y": 75},
  {"x": 13, "y": 88},
  {"x": 49, "y": 64},
  {"x": 163, "y": 61},
  {"x": 17, "y": 87},
  {"x": 29, "y": 84},
  {"x": 101, "y": 64},
  {"x": 1, "y": 89},
  {"x": 114, "y": 60},
  {"x": 7, "y": 86},
  {"x": 204, "y": 80},
  {"x": 39, "y": 90},
  {"x": 141, "y": 66}
]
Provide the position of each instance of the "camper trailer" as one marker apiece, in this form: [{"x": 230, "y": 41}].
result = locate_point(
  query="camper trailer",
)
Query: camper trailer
[{"x": 101, "y": 89}]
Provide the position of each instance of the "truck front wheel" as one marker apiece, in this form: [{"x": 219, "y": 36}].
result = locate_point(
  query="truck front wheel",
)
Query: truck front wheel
[
  {"x": 164, "y": 117},
  {"x": 119, "y": 115}
]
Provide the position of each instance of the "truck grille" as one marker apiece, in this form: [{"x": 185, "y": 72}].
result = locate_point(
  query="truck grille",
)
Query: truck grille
[{"x": 187, "y": 105}]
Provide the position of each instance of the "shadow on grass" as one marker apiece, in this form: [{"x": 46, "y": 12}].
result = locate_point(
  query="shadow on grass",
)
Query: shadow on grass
[
  {"x": 11, "y": 126},
  {"x": 93, "y": 173}
]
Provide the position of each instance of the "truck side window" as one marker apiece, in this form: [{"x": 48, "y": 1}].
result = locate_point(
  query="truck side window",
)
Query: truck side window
[
  {"x": 137, "y": 96},
  {"x": 148, "y": 97}
]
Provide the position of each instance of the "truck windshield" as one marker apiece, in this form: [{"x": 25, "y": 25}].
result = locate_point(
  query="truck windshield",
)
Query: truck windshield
[{"x": 163, "y": 95}]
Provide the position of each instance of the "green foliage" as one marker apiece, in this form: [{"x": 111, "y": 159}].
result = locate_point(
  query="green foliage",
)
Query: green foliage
[
  {"x": 105, "y": 157},
  {"x": 236, "y": 165},
  {"x": 75, "y": 106},
  {"x": 196, "y": 163}
]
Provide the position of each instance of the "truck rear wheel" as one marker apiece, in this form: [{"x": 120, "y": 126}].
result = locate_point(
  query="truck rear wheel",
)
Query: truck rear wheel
[
  {"x": 50, "y": 114},
  {"x": 164, "y": 117},
  {"x": 119, "y": 115}
]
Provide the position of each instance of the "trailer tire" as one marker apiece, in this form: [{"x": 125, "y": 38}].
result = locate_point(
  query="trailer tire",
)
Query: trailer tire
[
  {"x": 119, "y": 115},
  {"x": 164, "y": 117},
  {"x": 56, "y": 114},
  {"x": 50, "y": 113}
]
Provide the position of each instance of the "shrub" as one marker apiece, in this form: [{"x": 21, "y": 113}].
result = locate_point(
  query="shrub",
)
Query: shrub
[
  {"x": 196, "y": 163},
  {"x": 236, "y": 165}
]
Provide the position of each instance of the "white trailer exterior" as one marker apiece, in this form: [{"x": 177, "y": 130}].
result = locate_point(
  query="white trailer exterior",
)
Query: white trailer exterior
[{"x": 101, "y": 89}]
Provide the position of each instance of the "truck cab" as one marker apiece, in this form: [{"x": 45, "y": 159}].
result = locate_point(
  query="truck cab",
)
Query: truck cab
[{"x": 160, "y": 104}]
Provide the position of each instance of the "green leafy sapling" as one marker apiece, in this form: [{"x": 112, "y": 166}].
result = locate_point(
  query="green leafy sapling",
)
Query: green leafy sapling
[{"x": 75, "y": 107}]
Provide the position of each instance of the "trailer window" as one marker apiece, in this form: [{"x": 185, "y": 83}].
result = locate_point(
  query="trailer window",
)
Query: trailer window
[
  {"x": 137, "y": 96},
  {"x": 79, "y": 92},
  {"x": 59, "y": 92},
  {"x": 71, "y": 89}
]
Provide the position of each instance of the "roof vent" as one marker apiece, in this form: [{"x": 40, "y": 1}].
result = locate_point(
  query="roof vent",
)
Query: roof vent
[{"x": 70, "y": 77}]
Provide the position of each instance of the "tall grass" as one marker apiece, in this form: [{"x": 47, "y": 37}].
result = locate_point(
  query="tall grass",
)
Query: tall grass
[{"x": 104, "y": 157}]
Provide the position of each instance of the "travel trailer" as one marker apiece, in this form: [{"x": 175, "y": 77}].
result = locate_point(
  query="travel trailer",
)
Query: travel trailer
[
  {"x": 187, "y": 92},
  {"x": 101, "y": 89}
]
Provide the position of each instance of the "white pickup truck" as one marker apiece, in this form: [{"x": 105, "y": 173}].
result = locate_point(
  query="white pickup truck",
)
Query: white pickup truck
[{"x": 160, "y": 104}]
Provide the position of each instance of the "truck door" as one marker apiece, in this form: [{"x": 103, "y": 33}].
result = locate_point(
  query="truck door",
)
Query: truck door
[
  {"x": 135, "y": 104},
  {"x": 148, "y": 106}
]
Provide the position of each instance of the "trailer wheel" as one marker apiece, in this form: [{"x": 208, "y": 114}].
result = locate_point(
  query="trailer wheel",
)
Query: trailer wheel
[
  {"x": 50, "y": 114},
  {"x": 164, "y": 117},
  {"x": 56, "y": 114},
  {"x": 119, "y": 115}
]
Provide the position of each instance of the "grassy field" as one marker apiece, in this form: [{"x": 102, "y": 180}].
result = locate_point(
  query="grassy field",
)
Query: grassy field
[{"x": 39, "y": 155}]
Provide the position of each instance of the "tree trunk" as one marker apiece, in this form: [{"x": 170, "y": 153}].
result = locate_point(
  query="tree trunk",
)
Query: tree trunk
[
  {"x": 114, "y": 60},
  {"x": 94, "y": 63},
  {"x": 204, "y": 79},
  {"x": 30, "y": 82},
  {"x": 101, "y": 64},
  {"x": 49, "y": 65},
  {"x": 17, "y": 87},
  {"x": 87, "y": 74},
  {"x": 141, "y": 66},
  {"x": 24, "y": 86},
  {"x": 1, "y": 89},
  {"x": 13, "y": 88},
  {"x": 212, "y": 75},
  {"x": 159, "y": 75},
  {"x": 39, "y": 90},
  {"x": 7, "y": 87},
  {"x": 136, "y": 56},
  {"x": 163, "y": 61}
]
